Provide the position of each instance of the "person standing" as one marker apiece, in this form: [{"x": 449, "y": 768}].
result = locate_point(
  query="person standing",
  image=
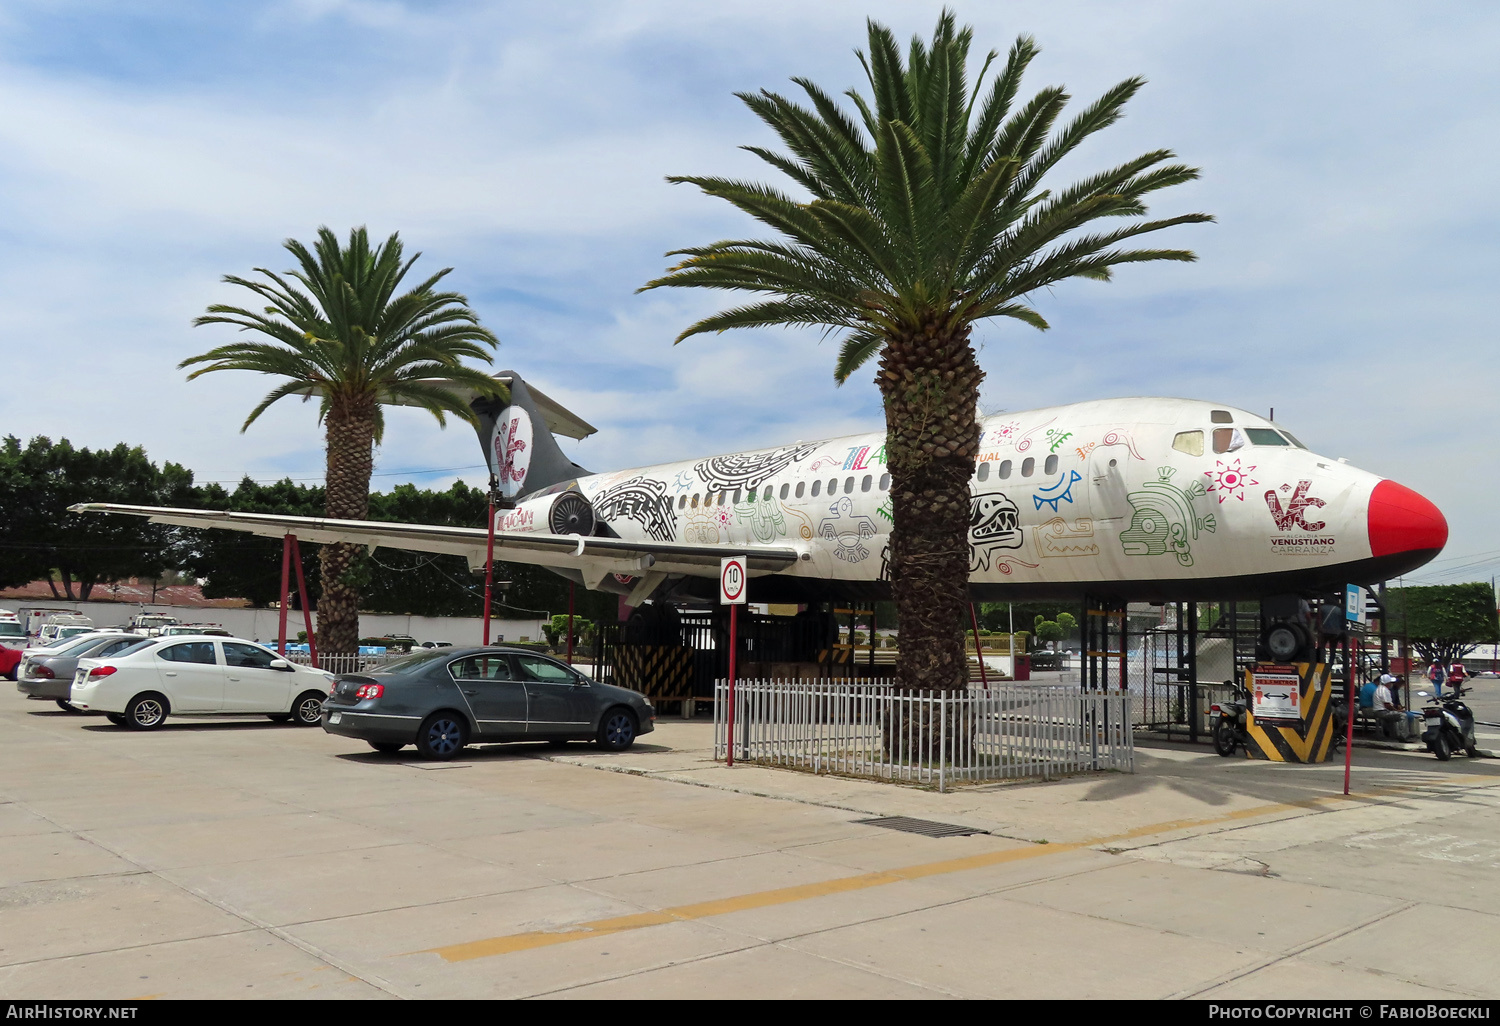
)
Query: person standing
[{"x": 1437, "y": 675}]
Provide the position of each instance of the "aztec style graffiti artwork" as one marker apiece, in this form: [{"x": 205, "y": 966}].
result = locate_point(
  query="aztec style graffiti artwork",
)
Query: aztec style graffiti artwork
[
  {"x": 763, "y": 518},
  {"x": 1121, "y": 438},
  {"x": 847, "y": 530},
  {"x": 1163, "y": 519},
  {"x": 1057, "y": 537},
  {"x": 1059, "y": 491},
  {"x": 1056, "y": 437},
  {"x": 643, "y": 500},
  {"x": 748, "y": 470},
  {"x": 804, "y": 526},
  {"x": 994, "y": 523},
  {"x": 1229, "y": 480},
  {"x": 1024, "y": 442}
]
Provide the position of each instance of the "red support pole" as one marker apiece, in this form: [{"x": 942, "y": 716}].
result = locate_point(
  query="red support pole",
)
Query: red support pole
[
  {"x": 570, "y": 623},
  {"x": 489, "y": 570},
  {"x": 733, "y": 644},
  {"x": 286, "y": 569},
  {"x": 984, "y": 679},
  {"x": 312, "y": 641}
]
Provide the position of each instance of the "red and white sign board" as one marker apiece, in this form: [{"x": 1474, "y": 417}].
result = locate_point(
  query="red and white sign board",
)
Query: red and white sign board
[
  {"x": 1276, "y": 696},
  {"x": 732, "y": 579}
]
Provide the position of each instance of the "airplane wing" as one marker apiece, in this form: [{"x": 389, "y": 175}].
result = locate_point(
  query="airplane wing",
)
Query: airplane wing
[{"x": 590, "y": 555}]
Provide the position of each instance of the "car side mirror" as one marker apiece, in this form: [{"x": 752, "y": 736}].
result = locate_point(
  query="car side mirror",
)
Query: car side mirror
[{"x": 280, "y": 664}]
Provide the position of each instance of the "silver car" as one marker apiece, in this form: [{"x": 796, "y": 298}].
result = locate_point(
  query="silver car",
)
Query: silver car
[{"x": 47, "y": 674}]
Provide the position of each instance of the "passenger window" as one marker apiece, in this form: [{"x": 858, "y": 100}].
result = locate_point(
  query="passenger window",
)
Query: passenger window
[
  {"x": 799, "y": 488},
  {"x": 695, "y": 502},
  {"x": 1220, "y": 417},
  {"x": 191, "y": 652},
  {"x": 545, "y": 670},
  {"x": 721, "y": 497},
  {"x": 885, "y": 482},
  {"x": 736, "y": 496},
  {"x": 251, "y": 656},
  {"x": 848, "y": 485},
  {"x": 767, "y": 493},
  {"x": 864, "y": 485},
  {"x": 817, "y": 486},
  {"x": 1265, "y": 436},
  {"x": 481, "y": 668},
  {"x": 1190, "y": 442},
  {"x": 833, "y": 486},
  {"x": 1050, "y": 467},
  {"x": 1005, "y": 470},
  {"x": 784, "y": 489},
  {"x": 1027, "y": 466},
  {"x": 682, "y": 501},
  {"x": 984, "y": 472},
  {"x": 1227, "y": 440}
]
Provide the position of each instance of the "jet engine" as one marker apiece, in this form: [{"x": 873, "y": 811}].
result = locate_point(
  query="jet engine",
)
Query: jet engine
[{"x": 571, "y": 514}]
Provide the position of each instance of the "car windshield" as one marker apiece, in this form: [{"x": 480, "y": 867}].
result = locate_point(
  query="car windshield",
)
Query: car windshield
[
  {"x": 410, "y": 663},
  {"x": 11, "y": 630}
]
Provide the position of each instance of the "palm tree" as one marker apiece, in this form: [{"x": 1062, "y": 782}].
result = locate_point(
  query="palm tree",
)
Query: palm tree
[
  {"x": 927, "y": 214},
  {"x": 345, "y": 336}
]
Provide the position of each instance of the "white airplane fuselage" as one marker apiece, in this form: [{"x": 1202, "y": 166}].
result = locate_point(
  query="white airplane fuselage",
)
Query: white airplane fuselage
[{"x": 1136, "y": 498}]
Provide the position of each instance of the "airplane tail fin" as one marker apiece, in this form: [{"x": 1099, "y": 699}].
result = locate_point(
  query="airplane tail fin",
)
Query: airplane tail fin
[{"x": 519, "y": 447}]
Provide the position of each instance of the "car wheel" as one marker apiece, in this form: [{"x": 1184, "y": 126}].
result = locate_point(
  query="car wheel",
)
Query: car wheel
[
  {"x": 386, "y": 747},
  {"x": 442, "y": 736},
  {"x": 118, "y": 719},
  {"x": 62, "y": 703},
  {"x": 146, "y": 712},
  {"x": 617, "y": 729},
  {"x": 307, "y": 711}
]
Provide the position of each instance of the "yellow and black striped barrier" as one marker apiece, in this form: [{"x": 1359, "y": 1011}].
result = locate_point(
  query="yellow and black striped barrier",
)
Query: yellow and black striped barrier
[
  {"x": 1309, "y": 741},
  {"x": 660, "y": 672}
]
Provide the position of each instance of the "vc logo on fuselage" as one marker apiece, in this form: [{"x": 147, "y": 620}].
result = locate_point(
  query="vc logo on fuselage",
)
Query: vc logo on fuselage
[{"x": 1293, "y": 513}]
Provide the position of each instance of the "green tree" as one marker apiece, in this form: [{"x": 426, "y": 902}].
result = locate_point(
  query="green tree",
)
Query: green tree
[
  {"x": 926, "y": 213},
  {"x": 232, "y": 564},
  {"x": 1443, "y": 622},
  {"x": 40, "y": 539},
  {"x": 335, "y": 327}
]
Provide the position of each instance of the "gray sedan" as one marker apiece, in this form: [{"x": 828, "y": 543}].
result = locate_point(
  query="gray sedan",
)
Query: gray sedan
[
  {"x": 442, "y": 699},
  {"x": 47, "y": 674}
]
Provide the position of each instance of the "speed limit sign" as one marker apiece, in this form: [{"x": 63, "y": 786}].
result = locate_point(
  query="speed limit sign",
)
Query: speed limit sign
[{"x": 732, "y": 579}]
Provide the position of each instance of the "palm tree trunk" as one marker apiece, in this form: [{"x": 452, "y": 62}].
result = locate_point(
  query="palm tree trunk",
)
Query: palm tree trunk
[
  {"x": 351, "y": 437},
  {"x": 930, "y": 381}
]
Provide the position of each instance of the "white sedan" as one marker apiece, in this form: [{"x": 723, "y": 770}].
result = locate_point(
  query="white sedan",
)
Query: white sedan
[{"x": 196, "y": 676}]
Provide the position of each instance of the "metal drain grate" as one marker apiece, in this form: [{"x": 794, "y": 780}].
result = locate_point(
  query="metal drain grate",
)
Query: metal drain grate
[{"x": 925, "y": 827}]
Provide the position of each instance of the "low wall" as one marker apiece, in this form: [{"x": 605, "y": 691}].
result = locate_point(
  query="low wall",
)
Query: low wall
[{"x": 262, "y": 623}]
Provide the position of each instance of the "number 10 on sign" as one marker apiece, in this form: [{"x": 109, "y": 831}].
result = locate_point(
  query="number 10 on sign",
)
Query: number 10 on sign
[{"x": 732, "y": 579}]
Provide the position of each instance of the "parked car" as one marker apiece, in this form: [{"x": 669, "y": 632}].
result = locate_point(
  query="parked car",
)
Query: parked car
[
  {"x": 13, "y": 642},
  {"x": 151, "y": 624},
  {"x": 441, "y": 699},
  {"x": 437, "y": 644},
  {"x": 198, "y": 676},
  {"x": 183, "y": 629},
  {"x": 60, "y": 628},
  {"x": 47, "y": 674}
]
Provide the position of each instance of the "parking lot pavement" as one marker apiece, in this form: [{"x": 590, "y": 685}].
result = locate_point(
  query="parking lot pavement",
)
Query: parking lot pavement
[{"x": 241, "y": 858}]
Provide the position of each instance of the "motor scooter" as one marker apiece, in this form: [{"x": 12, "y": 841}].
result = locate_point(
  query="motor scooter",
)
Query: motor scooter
[
  {"x": 1231, "y": 718},
  {"x": 1450, "y": 724}
]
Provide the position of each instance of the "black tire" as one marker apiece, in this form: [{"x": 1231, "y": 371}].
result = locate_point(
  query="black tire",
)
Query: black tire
[
  {"x": 62, "y": 703},
  {"x": 1225, "y": 739},
  {"x": 1472, "y": 751},
  {"x": 279, "y": 717},
  {"x": 617, "y": 729},
  {"x": 1440, "y": 748},
  {"x": 386, "y": 747},
  {"x": 147, "y": 711},
  {"x": 118, "y": 719},
  {"x": 307, "y": 710},
  {"x": 1285, "y": 643},
  {"x": 442, "y": 736}
]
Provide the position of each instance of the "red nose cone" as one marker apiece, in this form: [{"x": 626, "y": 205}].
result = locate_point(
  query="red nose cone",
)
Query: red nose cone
[{"x": 1403, "y": 521}]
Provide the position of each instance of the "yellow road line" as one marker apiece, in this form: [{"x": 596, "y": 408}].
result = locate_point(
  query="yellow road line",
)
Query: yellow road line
[{"x": 802, "y": 892}]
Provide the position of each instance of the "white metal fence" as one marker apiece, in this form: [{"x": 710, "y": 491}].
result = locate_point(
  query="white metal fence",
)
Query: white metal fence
[
  {"x": 869, "y": 729},
  {"x": 344, "y": 663}
]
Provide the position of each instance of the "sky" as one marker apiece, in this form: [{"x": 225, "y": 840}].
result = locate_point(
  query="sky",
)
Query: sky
[{"x": 1348, "y": 152}]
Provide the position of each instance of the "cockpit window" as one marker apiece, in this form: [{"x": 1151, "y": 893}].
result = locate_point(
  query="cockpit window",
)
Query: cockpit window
[
  {"x": 1228, "y": 440},
  {"x": 1221, "y": 417},
  {"x": 1265, "y": 436},
  {"x": 1292, "y": 438},
  {"x": 1190, "y": 442}
]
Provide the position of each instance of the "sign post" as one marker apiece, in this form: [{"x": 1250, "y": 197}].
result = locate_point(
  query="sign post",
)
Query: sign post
[{"x": 732, "y": 579}]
